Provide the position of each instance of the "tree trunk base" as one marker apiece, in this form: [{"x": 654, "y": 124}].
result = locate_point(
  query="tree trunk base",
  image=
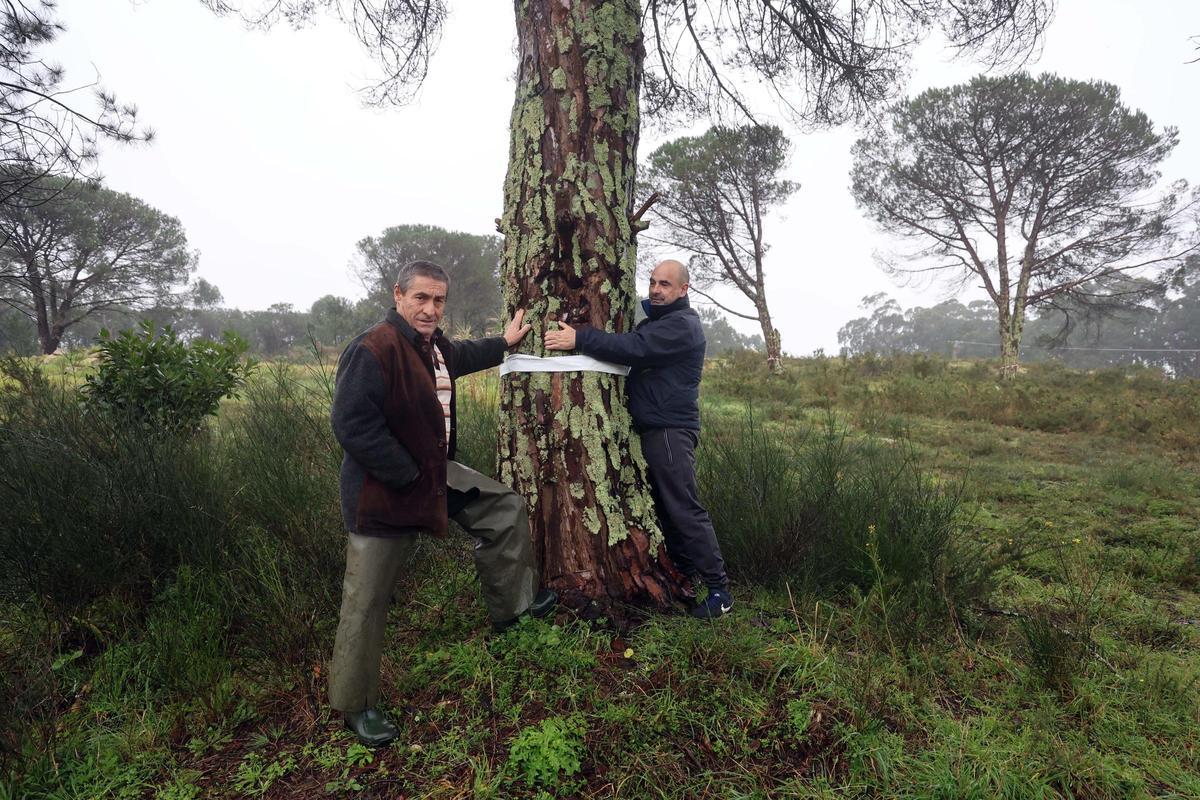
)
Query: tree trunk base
[
  {"x": 623, "y": 614},
  {"x": 624, "y": 579}
]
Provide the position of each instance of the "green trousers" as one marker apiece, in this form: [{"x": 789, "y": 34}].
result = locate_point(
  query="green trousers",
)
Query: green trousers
[{"x": 496, "y": 517}]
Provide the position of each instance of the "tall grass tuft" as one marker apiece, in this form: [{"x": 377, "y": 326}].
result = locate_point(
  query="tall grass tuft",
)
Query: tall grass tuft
[
  {"x": 1058, "y": 636},
  {"x": 1055, "y": 654},
  {"x": 181, "y": 650},
  {"x": 833, "y": 512},
  {"x": 286, "y": 563},
  {"x": 477, "y": 416}
]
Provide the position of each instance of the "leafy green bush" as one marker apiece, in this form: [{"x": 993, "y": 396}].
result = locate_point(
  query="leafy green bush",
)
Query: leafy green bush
[{"x": 162, "y": 383}]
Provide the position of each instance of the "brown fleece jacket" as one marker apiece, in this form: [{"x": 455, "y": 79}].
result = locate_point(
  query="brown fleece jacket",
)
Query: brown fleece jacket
[{"x": 387, "y": 417}]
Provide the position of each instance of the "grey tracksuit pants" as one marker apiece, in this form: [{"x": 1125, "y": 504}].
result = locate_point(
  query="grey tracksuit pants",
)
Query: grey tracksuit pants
[
  {"x": 487, "y": 510},
  {"x": 691, "y": 541}
]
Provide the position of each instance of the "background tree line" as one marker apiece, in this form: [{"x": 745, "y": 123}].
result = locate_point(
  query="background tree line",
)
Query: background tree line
[
  {"x": 1142, "y": 335},
  {"x": 84, "y": 258},
  {"x": 281, "y": 328}
]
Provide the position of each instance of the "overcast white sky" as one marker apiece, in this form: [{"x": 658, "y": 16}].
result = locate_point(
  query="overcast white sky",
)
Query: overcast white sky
[{"x": 276, "y": 169}]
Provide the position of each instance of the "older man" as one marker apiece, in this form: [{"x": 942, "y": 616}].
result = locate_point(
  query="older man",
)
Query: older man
[
  {"x": 666, "y": 352},
  {"x": 394, "y": 415}
]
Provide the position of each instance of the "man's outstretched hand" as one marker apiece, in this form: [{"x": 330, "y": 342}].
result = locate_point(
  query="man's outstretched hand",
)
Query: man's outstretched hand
[
  {"x": 515, "y": 331},
  {"x": 562, "y": 339}
]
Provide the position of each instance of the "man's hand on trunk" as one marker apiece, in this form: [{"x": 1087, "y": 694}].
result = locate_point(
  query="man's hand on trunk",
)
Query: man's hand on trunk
[
  {"x": 515, "y": 331},
  {"x": 562, "y": 339}
]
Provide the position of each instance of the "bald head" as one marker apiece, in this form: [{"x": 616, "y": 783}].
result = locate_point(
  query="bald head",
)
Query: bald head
[
  {"x": 677, "y": 268},
  {"x": 668, "y": 282}
]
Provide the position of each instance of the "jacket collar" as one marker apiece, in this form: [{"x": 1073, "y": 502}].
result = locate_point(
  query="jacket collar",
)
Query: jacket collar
[
  {"x": 655, "y": 312},
  {"x": 407, "y": 332}
]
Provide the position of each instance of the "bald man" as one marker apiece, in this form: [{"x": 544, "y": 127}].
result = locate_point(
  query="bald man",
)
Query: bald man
[{"x": 666, "y": 352}]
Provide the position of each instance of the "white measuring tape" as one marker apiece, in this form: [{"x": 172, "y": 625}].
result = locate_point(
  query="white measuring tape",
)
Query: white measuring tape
[{"x": 520, "y": 362}]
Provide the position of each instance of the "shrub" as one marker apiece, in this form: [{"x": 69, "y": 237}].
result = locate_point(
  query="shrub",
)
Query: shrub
[
  {"x": 748, "y": 483},
  {"x": 95, "y": 519},
  {"x": 279, "y": 452},
  {"x": 162, "y": 383},
  {"x": 279, "y": 449},
  {"x": 835, "y": 513},
  {"x": 89, "y": 504},
  {"x": 924, "y": 365}
]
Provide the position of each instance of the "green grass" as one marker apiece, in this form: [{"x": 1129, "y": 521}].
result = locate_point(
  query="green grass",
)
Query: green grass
[{"x": 1075, "y": 674}]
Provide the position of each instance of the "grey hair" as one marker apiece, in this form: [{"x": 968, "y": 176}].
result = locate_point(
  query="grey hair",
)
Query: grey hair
[{"x": 426, "y": 269}]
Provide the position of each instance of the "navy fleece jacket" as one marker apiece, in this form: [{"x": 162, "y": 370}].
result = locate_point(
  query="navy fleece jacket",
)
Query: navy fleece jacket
[{"x": 666, "y": 352}]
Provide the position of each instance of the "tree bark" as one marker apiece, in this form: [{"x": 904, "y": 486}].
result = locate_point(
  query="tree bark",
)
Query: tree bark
[
  {"x": 1012, "y": 323},
  {"x": 47, "y": 340},
  {"x": 771, "y": 337},
  {"x": 1012, "y": 315},
  {"x": 566, "y": 439}
]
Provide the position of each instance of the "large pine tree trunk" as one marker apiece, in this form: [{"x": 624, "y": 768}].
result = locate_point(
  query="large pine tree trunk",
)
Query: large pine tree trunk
[{"x": 566, "y": 441}]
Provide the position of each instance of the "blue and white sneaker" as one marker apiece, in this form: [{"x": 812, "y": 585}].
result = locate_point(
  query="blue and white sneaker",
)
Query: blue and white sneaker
[{"x": 717, "y": 604}]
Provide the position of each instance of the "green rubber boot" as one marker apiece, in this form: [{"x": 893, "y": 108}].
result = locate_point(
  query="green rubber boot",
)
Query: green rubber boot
[
  {"x": 542, "y": 604},
  {"x": 371, "y": 727}
]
